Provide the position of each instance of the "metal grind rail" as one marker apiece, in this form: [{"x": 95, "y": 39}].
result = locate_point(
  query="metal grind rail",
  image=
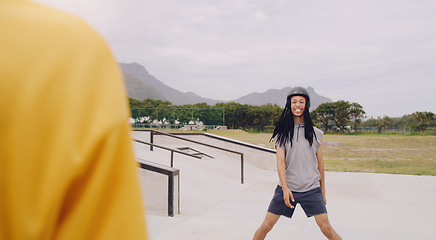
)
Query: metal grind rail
[
  {"x": 168, "y": 149},
  {"x": 171, "y": 173},
  {"x": 154, "y": 132}
]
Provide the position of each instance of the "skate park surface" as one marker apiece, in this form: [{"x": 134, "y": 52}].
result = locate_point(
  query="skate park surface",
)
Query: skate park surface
[{"x": 215, "y": 205}]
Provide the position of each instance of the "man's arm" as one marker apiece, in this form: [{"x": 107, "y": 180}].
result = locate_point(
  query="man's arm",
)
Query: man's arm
[
  {"x": 321, "y": 170},
  {"x": 281, "y": 169}
]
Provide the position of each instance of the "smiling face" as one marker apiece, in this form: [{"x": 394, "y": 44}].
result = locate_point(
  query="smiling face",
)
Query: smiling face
[{"x": 298, "y": 104}]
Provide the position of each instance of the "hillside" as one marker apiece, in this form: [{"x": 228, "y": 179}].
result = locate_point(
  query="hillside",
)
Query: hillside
[
  {"x": 139, "y": 90},
  {"x": 278, "y": 97},
  {"x": 141, "y": 85},
  {"x": 174, "y": 96}
]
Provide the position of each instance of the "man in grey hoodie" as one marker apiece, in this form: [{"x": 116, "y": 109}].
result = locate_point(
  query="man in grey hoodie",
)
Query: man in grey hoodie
[{"x": 300, "y": 167}]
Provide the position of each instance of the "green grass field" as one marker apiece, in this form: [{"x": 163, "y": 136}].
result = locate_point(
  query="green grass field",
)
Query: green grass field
[{"x": 394, "y": 154}]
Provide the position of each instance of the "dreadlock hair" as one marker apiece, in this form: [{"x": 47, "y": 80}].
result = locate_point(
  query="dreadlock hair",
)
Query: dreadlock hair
[{"x": 284, "y": 130}]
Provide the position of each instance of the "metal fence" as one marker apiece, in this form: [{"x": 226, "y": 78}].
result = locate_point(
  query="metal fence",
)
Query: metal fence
[
  {"x": 200, "y": 127},
  {"x": 177, "y": 116},
  {"x": 408, "y": 130}
]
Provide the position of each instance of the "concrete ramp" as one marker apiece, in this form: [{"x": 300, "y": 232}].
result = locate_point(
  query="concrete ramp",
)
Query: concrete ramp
[{"x": 214, "y": 205}]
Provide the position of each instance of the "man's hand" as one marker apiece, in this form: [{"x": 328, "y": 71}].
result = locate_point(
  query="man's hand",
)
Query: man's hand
[{"x": 286, "y": 195}]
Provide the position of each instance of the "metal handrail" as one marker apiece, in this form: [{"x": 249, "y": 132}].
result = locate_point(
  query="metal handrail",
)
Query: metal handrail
[
  {"x": 169, "y": 149},
  {"x": 269, "y": 150},
  {"x": 171, "y": 173},
  {"x": 200, "y": 143}
]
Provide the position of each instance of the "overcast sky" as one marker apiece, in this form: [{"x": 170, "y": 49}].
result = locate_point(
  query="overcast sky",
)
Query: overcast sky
[{"x": 379, "y": 53}]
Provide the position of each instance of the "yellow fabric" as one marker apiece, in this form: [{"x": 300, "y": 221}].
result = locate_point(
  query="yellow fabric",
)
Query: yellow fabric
[{"x": 67, "y": 168}]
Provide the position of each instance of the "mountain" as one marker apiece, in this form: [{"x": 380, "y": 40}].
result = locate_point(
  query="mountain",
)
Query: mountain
[
  {"x": 278, "y": 97},
  {"x": 141, "y": 85},
  {"x": 174, "y": 96},
  {"x": 140, "y": 90}
]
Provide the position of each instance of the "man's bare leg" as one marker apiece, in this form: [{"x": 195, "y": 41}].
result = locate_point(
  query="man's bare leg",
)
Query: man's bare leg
[
  {"x": 269, "y": 222},
  {"x": 326, "y": 228}
]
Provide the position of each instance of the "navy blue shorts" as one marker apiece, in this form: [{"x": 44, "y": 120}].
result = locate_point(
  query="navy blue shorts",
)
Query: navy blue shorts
[{"x": 311, "y": 201}]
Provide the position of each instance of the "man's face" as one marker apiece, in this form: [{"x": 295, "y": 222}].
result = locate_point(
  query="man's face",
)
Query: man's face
[{"x": 298, "y": 104}]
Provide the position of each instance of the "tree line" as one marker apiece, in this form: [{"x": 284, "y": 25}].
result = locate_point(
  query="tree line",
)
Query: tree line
[
  {"x": 417, "y": 122},
  {"x": 236, "y": 115},
  {"x": 332, "y": 116}
]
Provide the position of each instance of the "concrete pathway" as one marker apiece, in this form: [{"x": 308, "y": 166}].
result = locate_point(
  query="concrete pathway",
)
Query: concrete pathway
[{"x": 214, "y": 205}]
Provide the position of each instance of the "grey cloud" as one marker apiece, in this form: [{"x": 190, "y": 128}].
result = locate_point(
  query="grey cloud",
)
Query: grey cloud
[{"x": 338, "y": 47}]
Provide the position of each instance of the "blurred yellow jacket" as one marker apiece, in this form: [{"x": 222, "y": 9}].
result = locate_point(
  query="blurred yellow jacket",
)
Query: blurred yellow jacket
[{"x": 67, "y": 169}]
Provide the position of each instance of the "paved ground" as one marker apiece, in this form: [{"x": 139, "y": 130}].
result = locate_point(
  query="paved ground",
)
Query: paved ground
[{"x": 214, "y": 205}]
